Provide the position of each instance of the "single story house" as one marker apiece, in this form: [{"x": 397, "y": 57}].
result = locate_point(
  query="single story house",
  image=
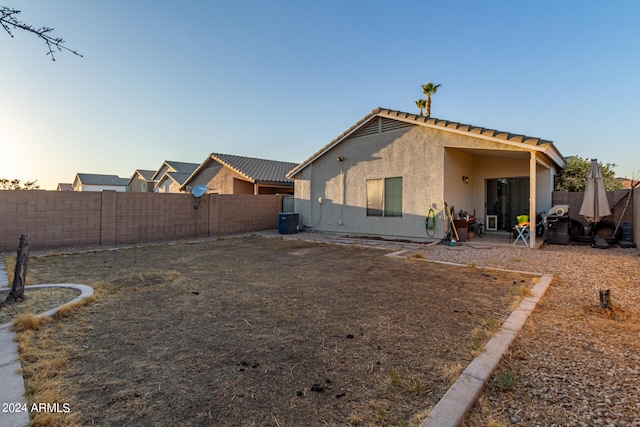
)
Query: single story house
[
  {"x": 142, "y": 181},
  {"x": 171, "y": 175},
  {"x": 229, "y": 174},
  {"x": 385, "y": 173},
  {"x": 63, "y": 186},
  {"x": 98, "y": 182}
]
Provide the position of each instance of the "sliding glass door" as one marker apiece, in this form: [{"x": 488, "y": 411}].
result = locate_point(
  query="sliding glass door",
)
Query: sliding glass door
[{"x": 506, "y": 199}]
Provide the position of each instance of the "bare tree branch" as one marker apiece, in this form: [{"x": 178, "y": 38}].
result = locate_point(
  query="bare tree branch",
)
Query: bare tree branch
[{"x": 9, "y": 22}]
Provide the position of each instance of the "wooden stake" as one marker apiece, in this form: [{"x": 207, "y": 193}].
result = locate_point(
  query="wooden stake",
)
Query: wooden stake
[
  {"x": 605, "y": 299},
  {"x": 20, "y": 275}
]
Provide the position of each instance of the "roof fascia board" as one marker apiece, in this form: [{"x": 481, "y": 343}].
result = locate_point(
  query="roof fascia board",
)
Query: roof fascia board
[
  {"x": 275, "y": 183},
  {"x": 549, "y": 150},
  {"x": 557, "y": 158}
]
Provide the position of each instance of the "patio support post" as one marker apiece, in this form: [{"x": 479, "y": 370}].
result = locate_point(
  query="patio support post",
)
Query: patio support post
[{"x": 532, "y": 199}]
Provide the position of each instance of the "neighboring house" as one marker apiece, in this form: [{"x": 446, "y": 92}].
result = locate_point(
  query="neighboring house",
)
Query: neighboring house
[
  {"x": 141, "y": 181},
  {"x": 383, "y": 175},
  {"x": 96, "y": 182},
  {"x": 228, "y": 174},
  {"x": 627, "y": 183},
  {"x": 64, "y": 187},
  {"x": 171, "y": 175}
]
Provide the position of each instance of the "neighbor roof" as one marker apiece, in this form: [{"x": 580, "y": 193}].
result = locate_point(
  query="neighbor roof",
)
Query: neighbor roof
[
  {"x": 178, "y": 177},
  {"x": 445, "y": 125},
  {"x": 255, "y": 170},
  {"x": 97, "y": 179},
  {"x": 173, "y": 166},
  {"x": 147, "y": 175}
]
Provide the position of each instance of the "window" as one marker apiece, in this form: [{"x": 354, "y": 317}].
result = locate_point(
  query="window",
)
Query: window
[
  {"x": 384, "y": 197},
  {"x": 375, "y": 191}
]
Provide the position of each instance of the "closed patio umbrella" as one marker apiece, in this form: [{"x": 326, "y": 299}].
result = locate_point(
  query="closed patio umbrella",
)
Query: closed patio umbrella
[{"x": 595, "y": 205}]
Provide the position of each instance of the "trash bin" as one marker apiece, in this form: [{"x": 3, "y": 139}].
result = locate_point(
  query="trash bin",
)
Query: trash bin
[
  {"x": 462, "y": 227},
  {"x": 288, "y": 223},
  {"x": 558, "y": 229}
]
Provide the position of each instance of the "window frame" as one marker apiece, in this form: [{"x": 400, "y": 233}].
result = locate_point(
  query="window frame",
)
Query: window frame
[{"x": 384, "y": 197}]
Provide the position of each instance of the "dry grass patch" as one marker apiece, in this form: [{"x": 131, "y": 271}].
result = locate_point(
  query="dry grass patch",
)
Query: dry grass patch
[
  {"x": 254, "y": 331},
  {"x": 70, "y": 308},
  {"x": 44, "y": 360},
  {"x": 29, "y": 322}
]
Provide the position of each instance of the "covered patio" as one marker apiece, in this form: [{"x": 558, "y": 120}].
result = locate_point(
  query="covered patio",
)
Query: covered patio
[{"x": 495, "y": 186}]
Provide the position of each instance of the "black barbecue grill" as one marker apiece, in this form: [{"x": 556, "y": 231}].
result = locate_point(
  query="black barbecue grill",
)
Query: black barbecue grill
[{"x": 558, "y": 225}]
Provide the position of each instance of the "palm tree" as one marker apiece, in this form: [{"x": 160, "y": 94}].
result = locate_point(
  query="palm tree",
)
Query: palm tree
[
  {"x": 429, "y": 89},
  {"x": 421, "y": 104}
]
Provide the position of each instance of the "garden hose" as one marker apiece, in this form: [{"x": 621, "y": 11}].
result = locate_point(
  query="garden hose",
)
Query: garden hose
[{"x": 430, "y": 223}]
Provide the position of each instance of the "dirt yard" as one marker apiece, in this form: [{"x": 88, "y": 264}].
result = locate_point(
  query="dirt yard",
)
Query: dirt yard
[{"x": 257, "y": 332}]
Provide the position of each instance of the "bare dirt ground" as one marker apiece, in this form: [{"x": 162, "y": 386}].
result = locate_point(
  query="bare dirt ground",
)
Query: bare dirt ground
[{"x": 255, "y": 331}]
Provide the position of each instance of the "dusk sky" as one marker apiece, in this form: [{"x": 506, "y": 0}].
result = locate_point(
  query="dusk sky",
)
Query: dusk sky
[{"x": 176, "y": 80}]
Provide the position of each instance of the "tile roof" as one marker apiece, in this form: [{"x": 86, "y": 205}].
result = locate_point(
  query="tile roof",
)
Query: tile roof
[
  {"x": 258, "y": 170},
  {"x": 178, "y": 177},
  {"x": 173, "y": 166},
  {"x": 432, "y": 122},
  {"x": 182, "y": 166},
  {"x": 146, "y": 174},
  {"x": 97, "y": 179},
  {"x": 255, "y": 170}
]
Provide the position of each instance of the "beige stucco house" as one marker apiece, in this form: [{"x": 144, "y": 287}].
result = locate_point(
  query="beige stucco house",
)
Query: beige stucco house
[
  {"x": 383, "y": 175},
  {"x": 98, "y": 182},
  {"x": 171, "y": 175},
  {"x": 231, "y": 174},
  {"x": 141, "y": 181}
]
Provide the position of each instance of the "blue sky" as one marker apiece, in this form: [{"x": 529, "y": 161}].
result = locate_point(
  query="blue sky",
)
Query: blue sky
[{"x": 169, "y": 80}]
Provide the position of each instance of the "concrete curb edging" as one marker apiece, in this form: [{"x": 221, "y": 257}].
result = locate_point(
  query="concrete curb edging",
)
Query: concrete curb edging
[
  {"x": 12, "y": 390},
  {"x": 85, "y": 292},
  {"x": 454, "y": 406}
]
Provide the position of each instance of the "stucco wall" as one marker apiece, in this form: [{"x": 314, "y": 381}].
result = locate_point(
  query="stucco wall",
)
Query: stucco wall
[
  {"x": 140, "y": 185},
  {"x": 431, "y": 163},
  {"x": 59, "y": 219},
  {"x": 342, "y": 184},
  {"x": 218, "y": 179},
  {"x": 98, "y": 188},
  {"x": 168, "y": 185}
]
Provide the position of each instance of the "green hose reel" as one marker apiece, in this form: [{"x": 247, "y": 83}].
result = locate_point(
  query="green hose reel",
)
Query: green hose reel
[{"x": 430, "y": 223}]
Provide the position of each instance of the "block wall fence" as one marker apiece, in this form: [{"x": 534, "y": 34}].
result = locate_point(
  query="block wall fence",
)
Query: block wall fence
[
  {"x": 617, "y": 201},
  {"x": 61, "y": 219}
]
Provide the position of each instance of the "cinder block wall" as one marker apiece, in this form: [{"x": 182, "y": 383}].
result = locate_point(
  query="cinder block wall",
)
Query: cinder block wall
[
  {"x": 617, "y": 201},
  {"x": 63, "y": 219},
  {"x": 50, "y": 218},
  {"x": 240, "y": 213},
  {"x": 148, "y": 217}
]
